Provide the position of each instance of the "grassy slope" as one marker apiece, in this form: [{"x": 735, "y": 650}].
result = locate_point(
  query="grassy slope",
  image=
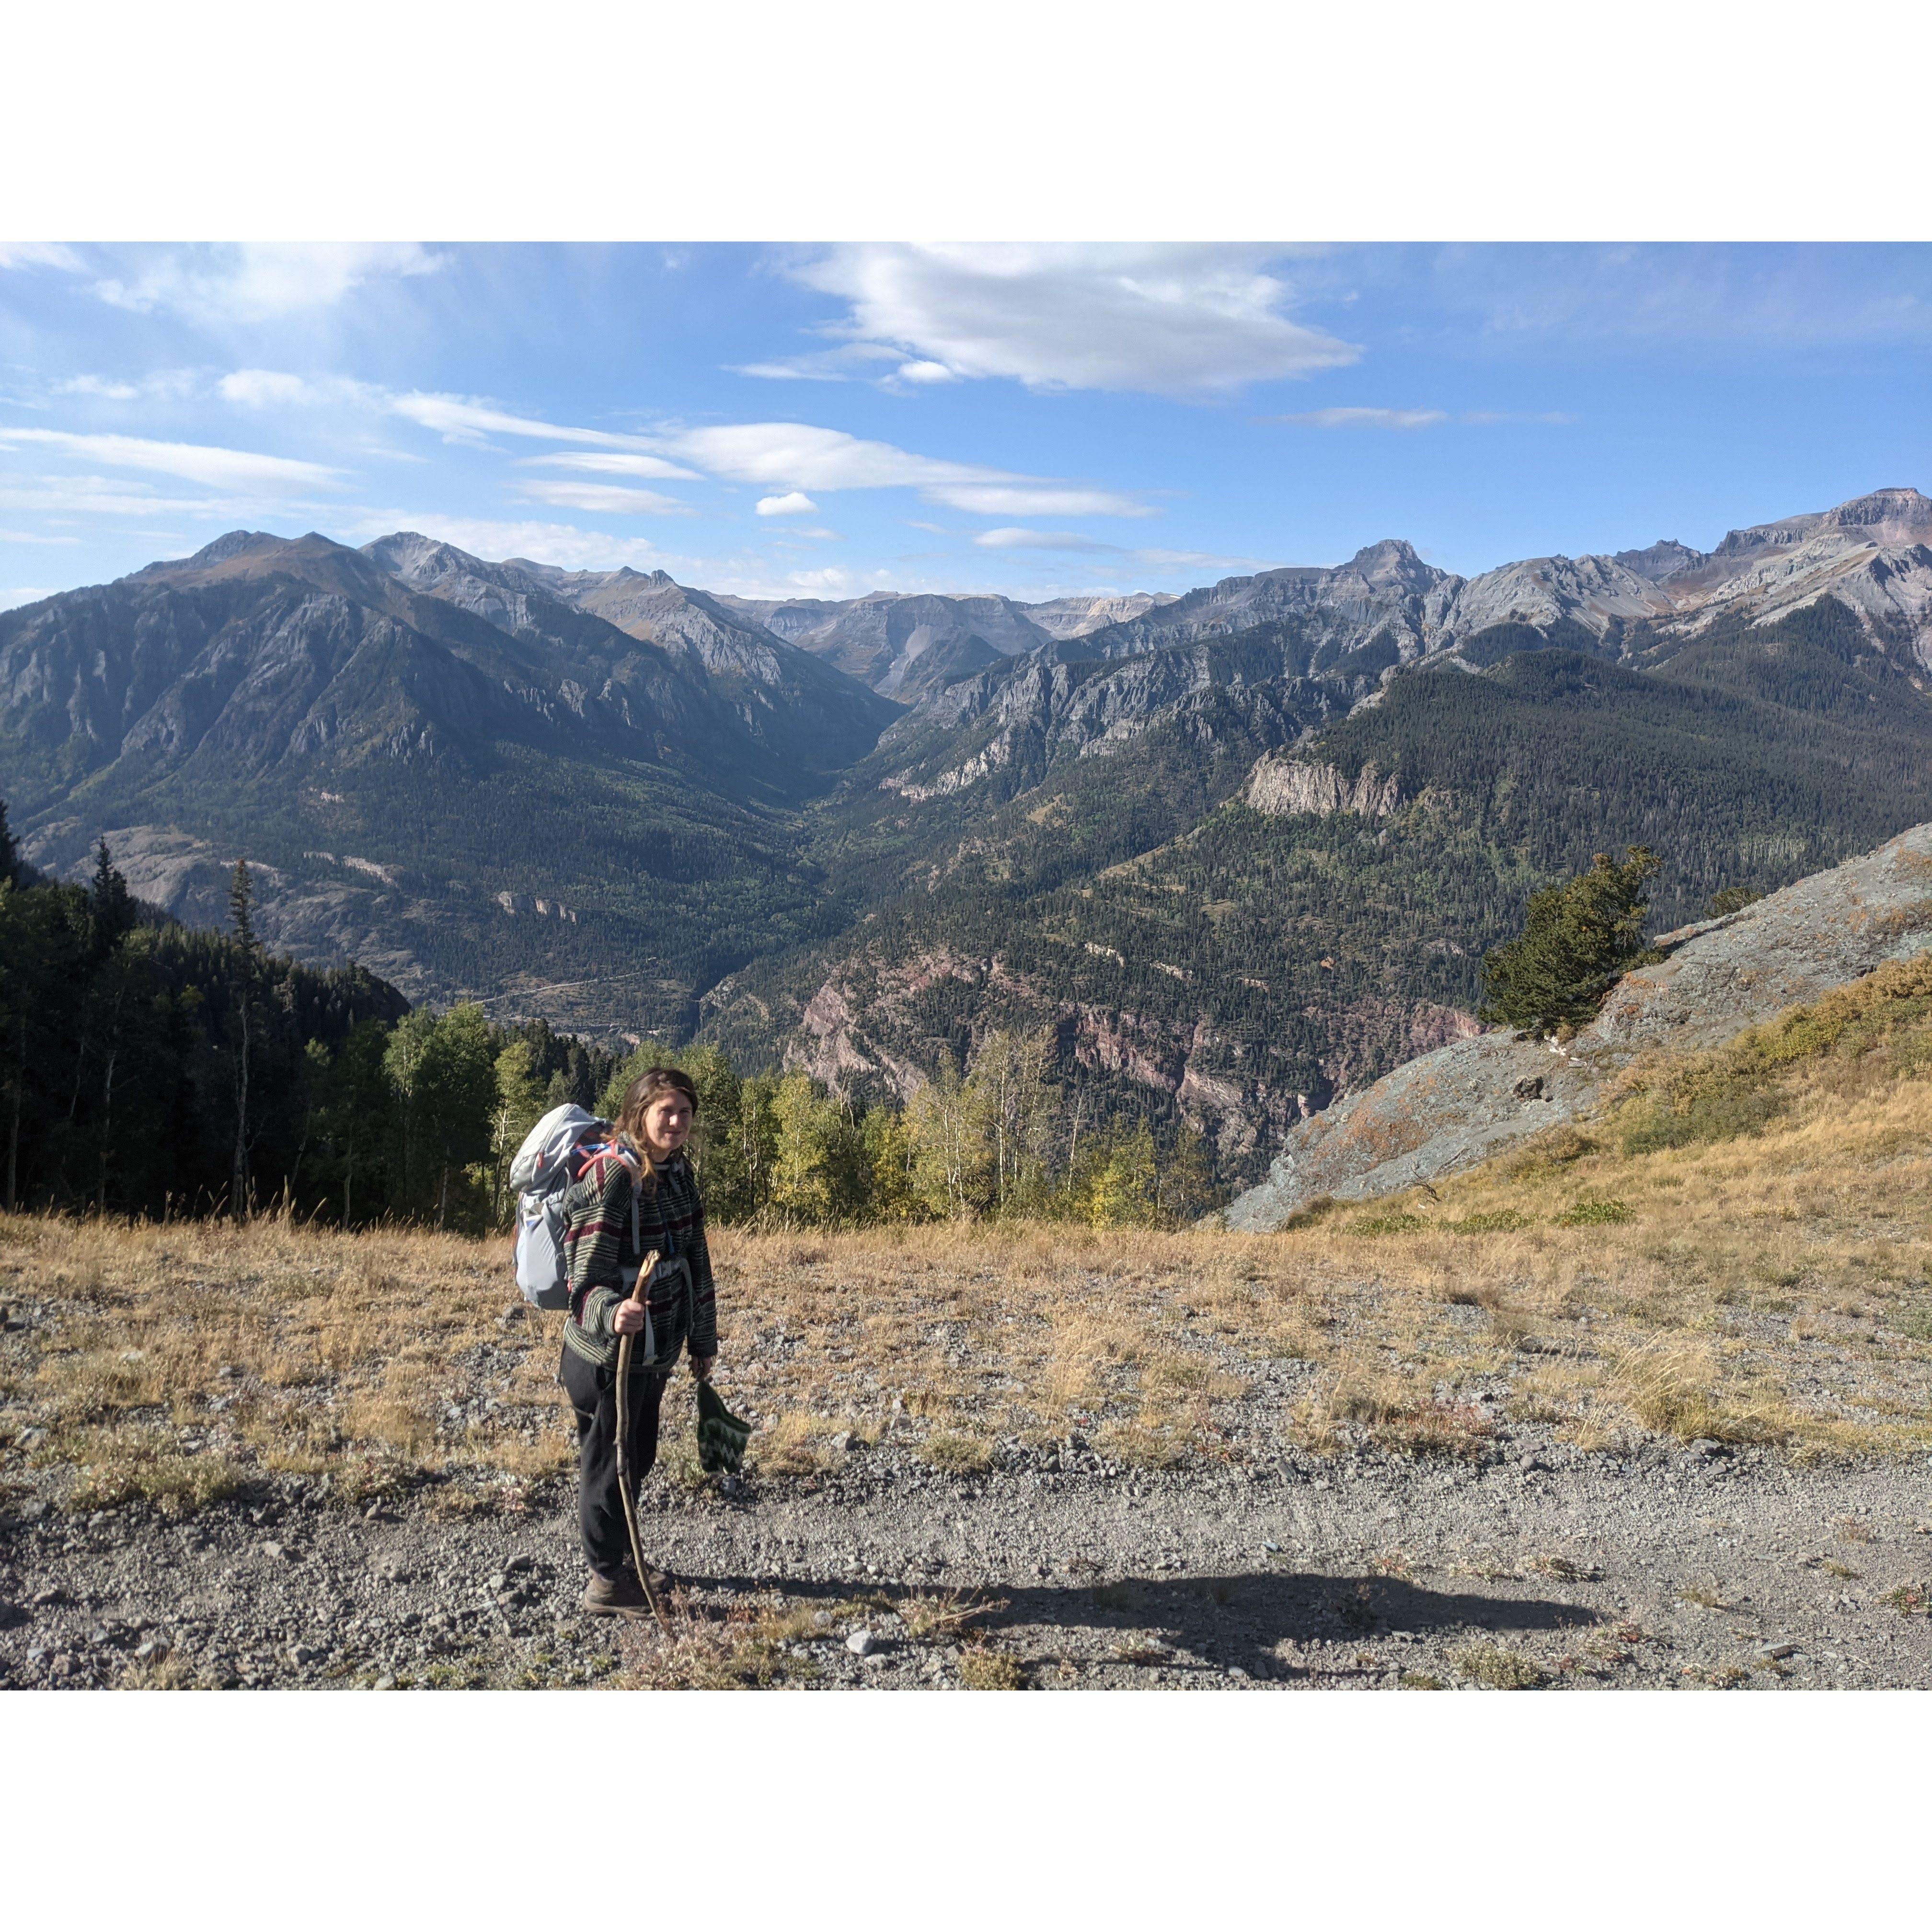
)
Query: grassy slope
[{"x": 1768, "y": 1278}]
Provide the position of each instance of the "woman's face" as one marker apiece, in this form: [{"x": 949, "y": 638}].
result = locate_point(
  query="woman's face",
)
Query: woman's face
[{"x": 667, "y": 1123}]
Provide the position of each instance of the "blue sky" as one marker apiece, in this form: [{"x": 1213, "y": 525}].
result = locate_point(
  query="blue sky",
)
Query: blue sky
[{"x": 1034, "y": 419}]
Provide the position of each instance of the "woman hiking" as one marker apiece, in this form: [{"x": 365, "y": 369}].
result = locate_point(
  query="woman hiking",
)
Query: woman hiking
[{"x": 635, "y": 1194}]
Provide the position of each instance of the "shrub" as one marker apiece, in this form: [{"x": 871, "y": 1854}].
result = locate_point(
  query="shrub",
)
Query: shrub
[
  {"x": 1593, "y": 1213},
  {"x": 1388, "y": 1224},
  {"x": 1732, "y": 898},
  {"x": 1579, "y": 939},
  {"x": 981, "y": 1669},
  {"x": 1498, "y": 1221},
  {"x": 1496, "y": 1669}
]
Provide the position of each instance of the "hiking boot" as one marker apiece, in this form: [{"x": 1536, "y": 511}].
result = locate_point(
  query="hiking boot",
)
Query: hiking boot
[{"x": 614, "y": 1596}]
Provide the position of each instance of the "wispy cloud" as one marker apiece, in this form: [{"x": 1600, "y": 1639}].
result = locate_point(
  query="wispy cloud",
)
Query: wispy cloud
[
  {"x": 42, "y": 255},
  {"x": 33, "y": 537},
  {"x": 239, "y": 470},
  {"x": 469, "y": 419},
  {"x": 792, "y": 503},
  {"x": 608, "y": 500},
  {"x": 1013, "y": 538},
  {"x": 805, "y": 456},
  {"x": 610, "y": 463},
  {"x": 1185, "y": 319},
  {"x": 220, "y": 286},
  {"x": 790, "y": 458},
  {"x": 1369, "y": 418},
  {"x": 802, "y": 369},
  {"x": 107, "y": 496},
  {"x": 1027, "y": 499},
  {"x": 12, "y": 600},
  {"x": 1380, "y": 418}
]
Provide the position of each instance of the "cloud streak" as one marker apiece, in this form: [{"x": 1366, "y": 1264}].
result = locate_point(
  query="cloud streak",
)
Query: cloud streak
[
  {"x": 216, "y": 468},
  {"x": 608, "y": 500}
]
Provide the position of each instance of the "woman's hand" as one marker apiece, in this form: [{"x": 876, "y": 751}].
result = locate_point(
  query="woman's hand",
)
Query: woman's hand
[
  {"x": 629, "y": 1318},
  {"x": 701, "y": 1366}
]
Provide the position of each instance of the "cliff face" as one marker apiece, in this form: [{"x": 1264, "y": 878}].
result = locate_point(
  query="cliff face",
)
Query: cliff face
[
  {"x": 1459, "y": 1106},
  {"x": 1279, "y": 787}
]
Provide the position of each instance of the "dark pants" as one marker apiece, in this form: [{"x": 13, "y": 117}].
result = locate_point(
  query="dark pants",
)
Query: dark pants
[{"x": 600, "y": 1503}]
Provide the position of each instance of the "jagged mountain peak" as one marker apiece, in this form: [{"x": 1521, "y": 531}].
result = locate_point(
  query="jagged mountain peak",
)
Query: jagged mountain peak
[
  {"x": 1394, "y": 563},
  {"x": 1658, "y": 562}
]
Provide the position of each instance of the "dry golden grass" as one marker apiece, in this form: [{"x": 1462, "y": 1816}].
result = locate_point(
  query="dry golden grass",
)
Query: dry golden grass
[
  {"x": 172, "y": 1362},
  {"x": 1775, "y": 1288}
]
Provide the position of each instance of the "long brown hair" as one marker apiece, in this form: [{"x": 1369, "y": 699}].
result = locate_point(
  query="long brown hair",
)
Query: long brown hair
[{"x": 651, "y": 1084}]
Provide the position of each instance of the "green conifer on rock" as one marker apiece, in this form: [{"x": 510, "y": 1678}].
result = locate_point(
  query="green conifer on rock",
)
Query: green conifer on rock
[{"x": 1579, "y": 938}]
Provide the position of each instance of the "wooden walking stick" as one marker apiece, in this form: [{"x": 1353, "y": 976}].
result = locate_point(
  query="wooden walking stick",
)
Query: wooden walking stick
[{"x": 623, "y": 1398}]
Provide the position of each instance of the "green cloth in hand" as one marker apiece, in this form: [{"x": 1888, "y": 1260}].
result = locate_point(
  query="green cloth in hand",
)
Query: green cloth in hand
[{"x": 721, "y": 1437}]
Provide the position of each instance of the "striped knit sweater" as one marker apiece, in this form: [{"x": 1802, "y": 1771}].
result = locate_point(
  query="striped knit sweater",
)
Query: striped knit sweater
[{"x": 610, "y": 1224}]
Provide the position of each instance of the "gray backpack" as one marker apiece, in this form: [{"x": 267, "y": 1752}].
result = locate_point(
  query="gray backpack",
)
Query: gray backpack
[{"x": 540, "y": 1174}]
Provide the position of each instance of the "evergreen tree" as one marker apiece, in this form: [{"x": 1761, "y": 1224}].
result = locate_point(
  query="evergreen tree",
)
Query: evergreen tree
[
  {"x": 1579, "y": 938},
  {"x": 10, "y": 850},
  {"x": 109, "y": 902},
  {"x": 240, "y": 903},
  {"x": 356, "y": 1121},
  {"x": 1186, "y": 1189}
]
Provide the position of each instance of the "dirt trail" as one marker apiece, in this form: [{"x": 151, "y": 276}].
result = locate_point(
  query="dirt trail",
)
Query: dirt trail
[{"x": 1671, "y": 1567}]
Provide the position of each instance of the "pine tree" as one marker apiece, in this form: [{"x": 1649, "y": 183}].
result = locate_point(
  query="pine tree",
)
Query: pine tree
[
  {"x": 108, "y": 901},
  {"x": 240, "y": 900},
  {"x": 10, "y": 850},
  {"x": 1579, "y": 938}
]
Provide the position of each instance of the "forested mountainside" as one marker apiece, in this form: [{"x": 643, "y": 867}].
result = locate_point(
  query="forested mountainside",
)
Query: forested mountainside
[
  {"x": 1257, "y": 899},
  {"x": 1229, "y": 854}
]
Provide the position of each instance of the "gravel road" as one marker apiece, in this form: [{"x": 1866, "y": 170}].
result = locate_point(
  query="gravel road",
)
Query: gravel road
[{"x": 1675, "y": 1567}]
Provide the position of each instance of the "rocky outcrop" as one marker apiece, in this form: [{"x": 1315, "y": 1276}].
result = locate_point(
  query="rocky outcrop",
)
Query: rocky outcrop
[
  {"x": 1457, "y": 1106},
  {"x": 1279, "y": 787}
]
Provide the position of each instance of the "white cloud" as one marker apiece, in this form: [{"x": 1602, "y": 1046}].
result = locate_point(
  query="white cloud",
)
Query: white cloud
[
  {"x": 170, "y": 385},
  {"x": 1014, "y": 538},
  {"x": 104, "y": 496},
  {"x": 1378, "y": 418},
  {"x": 803, "y": 456},
  {"x": 469, "y": 419},
  {"x": 605, "y": 499},
  {"x": 275, "y": 389},
  {"x": 1190, "y": 319},
  {"x": 33, "y": 537},
  {"x": 195, "y": 462},
  {"x": 926, "y": 372},
  {"x": 842, "y": 365},
  {"x": 610, "y": 463},
  {"x": 792, "y": 503},
  {"x": 103, "y": 386},
  {"x": 562, "y": 545},
  {"x": 1363, "y": 419},
  {"x": 805, "y": 369},
  {"x": 41, "y": 255},
  {"x": 259, "y": 281},
  {"x": 12, "y": 600},
  {"x": 1035, "y": 500}
]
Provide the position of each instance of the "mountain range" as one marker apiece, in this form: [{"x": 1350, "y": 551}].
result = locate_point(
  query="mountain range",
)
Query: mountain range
[{"x": 1230, "y": 853}]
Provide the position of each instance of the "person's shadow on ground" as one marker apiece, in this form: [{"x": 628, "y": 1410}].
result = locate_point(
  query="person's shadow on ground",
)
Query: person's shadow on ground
[{"x": 1215, "y": 1621}]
